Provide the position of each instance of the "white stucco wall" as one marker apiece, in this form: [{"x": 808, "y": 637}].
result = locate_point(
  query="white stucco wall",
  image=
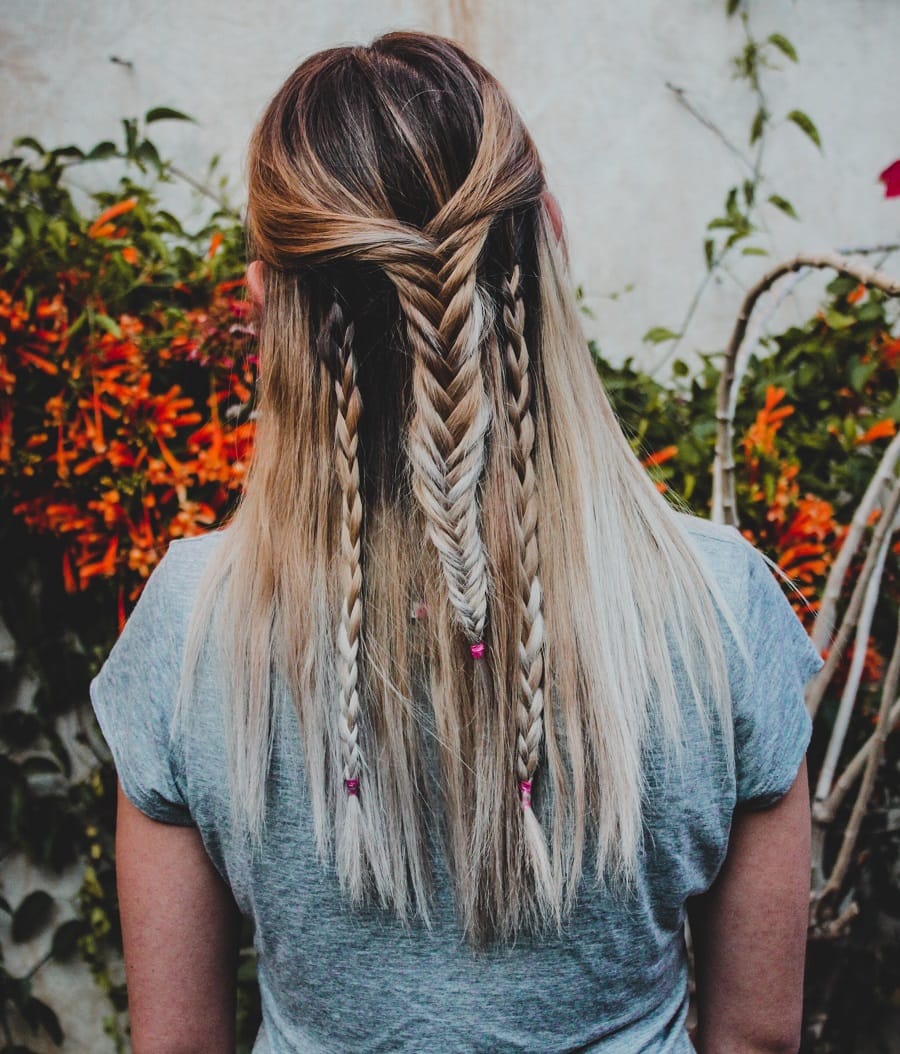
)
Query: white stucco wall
[{"x": 638, "y": 176}]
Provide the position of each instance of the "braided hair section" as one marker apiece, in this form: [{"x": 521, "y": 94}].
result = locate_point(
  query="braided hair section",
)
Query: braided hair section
[
  {"x": 446, "y": 323},
  {"x": 350, "y": 853},
  {"x": 530, "y": 706}
]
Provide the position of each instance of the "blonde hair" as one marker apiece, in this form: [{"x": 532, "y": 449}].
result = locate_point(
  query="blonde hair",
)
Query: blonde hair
[{"x": 432, "y": 435}]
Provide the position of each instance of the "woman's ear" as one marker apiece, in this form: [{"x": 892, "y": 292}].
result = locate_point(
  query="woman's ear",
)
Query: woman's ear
[
  {"x": 255, "y": 284},
  {"x": 554, "y": 212}
]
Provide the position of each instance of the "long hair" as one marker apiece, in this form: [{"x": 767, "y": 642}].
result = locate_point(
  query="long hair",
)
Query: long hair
[{"x": 446, "y": 550}]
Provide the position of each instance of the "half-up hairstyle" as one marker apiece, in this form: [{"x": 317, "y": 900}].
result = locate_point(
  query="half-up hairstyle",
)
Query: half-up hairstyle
[{"x": 447, "y": 554}]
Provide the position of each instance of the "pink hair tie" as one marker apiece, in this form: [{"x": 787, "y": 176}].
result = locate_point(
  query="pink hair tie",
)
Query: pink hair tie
[
  {"x": 352, "y": 787},
  {"x": 477, "y": 649},
  {"x": 525, "y": 793}
]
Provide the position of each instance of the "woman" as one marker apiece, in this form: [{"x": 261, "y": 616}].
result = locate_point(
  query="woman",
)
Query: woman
[{"x": 462, "y": 712}]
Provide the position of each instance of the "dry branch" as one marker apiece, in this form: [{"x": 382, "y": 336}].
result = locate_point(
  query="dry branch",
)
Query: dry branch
[
  {"x": 854, "y": 675},
  {"x": 889, "y": 693},
  {"x": 886, "y": 522},
  {"x": 825, "y": 811},
  {"x": 880, "y": 480}
]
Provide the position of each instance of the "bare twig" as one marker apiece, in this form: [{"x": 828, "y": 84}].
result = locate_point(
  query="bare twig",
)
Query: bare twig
[
  {"x": 836, "y": 927},
  {"x": 854, "y": 674},
  {"x": 681, "y": 95},
  {"x": 825, "y": 811},
  {"x": 886, "y": 470},
  {"x": 862, "y": 250},
  {"x": 887, "y": 521},
  {"x": 888, "y": 695},
  {"x": 201, "y": 188},
  {"x": 724, "y": 508}
]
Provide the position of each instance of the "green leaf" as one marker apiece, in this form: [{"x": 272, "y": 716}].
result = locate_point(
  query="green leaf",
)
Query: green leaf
[
  {"x": 861, "y": 373},
  {"x": 76, "y": 325},
  {"x": 68, "y": 151},
  {"x": 65, "y": 939},
  {"x": 680, "y": 368},
  {"x": 39, "y": 1015},
  {"x": 841, "y": 285},
  {"x": 709, "y": 251},
  {"x": 166, "y": 113},
  {"x": 658, "y": 334},
  {"x": 754, "y": 250},
  {"x": 837, "y": 320},
  {"x": 759, "y": 123},
  {"x": 30, "y": 142},
  {"x": 31, "y": 916},
  {"x": 784, "y": 45},
  {"x": 871, "y": 311},
  {"x": 148, "y": 152},
  {"x": 109, "y": 324},
  {"x": 731, "y": 7},
  {"x": 782, "y": 203},
  {"x": 805, "y": 124},
  {"x": 102, "y": 151}
]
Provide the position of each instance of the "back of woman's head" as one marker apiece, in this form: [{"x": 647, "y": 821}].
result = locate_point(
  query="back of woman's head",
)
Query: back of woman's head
[{"x": 447, "y": 554}]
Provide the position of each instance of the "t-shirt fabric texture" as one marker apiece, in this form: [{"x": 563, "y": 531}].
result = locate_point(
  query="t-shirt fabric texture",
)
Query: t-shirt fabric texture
[{"x": 337, "y": 979}]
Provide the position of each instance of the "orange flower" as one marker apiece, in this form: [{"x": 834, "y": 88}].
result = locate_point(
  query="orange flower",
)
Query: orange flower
[
  {"x": 760, "y": 436},
  {"x": 880, "y": 430},
  {"x": 659, "y": 456},
  {"x": 101, "y": 227},
  {"x": 214, "y": 244},
  {"x": 890, "y": 350},
  {"x": 131, "y": 256},
  {"x": 856, "y": 295}
]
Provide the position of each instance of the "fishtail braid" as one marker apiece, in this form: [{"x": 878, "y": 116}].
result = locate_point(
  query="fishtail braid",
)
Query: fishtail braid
[{"x": 446, "y": 321}]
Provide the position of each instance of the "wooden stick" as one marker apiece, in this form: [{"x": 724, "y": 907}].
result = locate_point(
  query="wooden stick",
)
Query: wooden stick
[
  {"x": 824, "y": 622},
  {"x": 825, "y": 811},
  {"x": 888, "y": 694},
  {"x": 854, "y": 674},
  {"x": 816, "y": 688},
  {"x": 724, "y": 503}
]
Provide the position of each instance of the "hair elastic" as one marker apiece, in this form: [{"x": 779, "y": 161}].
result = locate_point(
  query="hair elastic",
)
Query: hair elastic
[
  {"x": 352, "y": 787},
  {"x": 477, "y": 649},
  {"x": 525, "y": 793}
]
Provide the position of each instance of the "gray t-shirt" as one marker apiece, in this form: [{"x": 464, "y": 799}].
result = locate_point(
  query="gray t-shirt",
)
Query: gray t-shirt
[{"x": 334, "y": 979}]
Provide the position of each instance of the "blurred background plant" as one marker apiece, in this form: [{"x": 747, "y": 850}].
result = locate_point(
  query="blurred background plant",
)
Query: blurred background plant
[{"x": 126, "y": 419}]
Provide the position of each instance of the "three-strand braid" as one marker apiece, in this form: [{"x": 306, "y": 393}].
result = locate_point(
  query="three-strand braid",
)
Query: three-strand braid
[
  {"x": 350, "y": 848},
  {"x": 349, "y": 407},
  {"x": 530, "y": 705}
]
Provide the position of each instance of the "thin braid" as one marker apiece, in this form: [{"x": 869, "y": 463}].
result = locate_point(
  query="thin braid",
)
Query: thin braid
[
  {"x": 349, "y": 407},
  {"x": 452, "y": 415},
  {"x": 353, "y": 844},
  {"x": 530, "y": 707},
  {"x": 531, "y": 646}
]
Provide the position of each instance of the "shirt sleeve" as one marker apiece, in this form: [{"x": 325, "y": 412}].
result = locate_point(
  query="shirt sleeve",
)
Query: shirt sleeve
[
  {"x": 133, "y": 697},
  {"x": 772, "y": 726}
]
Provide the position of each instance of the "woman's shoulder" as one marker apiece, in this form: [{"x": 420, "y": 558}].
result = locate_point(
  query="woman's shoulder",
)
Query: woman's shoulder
[
  {"x": 188, "y": 557},
  {"x": 182, "y": 570},
  {"x": 721, "y": 547}
]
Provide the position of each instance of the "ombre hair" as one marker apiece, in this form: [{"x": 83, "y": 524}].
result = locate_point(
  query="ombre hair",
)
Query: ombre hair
[{"x": 446, "y": 551}]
